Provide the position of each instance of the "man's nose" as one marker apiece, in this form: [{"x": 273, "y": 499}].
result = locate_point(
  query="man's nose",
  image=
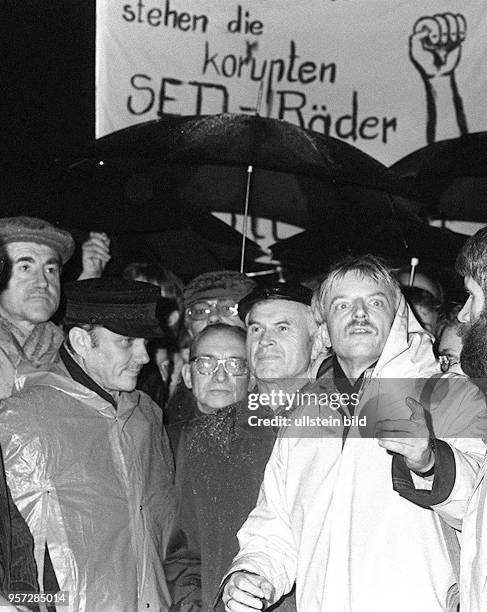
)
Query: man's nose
[
  {"x": 214, "y": 317},
  {"x": 464, "y": 315},
  {"x": 140, "y": 351},
  {"x": 359, "y": 309},
  {"x": 220, "y": 374},
  {"x": 41, "y": 279},
  {"x": 267, "y": 338}
]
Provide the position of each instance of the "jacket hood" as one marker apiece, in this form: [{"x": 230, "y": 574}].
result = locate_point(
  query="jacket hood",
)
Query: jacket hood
[{"x": 408, "y": 352}]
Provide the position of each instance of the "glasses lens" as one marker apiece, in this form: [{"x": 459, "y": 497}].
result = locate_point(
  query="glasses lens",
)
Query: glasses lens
[
  {"x": 199, "y": 311},
  {"x": 205, "y": 365},
  {"x": 236, "y": 366},
  {"x": 228, "y": 309}
]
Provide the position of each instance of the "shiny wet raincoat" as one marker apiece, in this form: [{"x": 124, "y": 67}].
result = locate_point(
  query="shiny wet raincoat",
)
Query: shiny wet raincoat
[{"x": 95, "y": 483}]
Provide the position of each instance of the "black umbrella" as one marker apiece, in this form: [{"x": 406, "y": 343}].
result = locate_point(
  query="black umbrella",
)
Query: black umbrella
[
  {"x": 450, "y": 177},
  {"x": 186, "y": 240},
  {"x": 205, "y": 161},
  {"x": 398, "y": 241}
]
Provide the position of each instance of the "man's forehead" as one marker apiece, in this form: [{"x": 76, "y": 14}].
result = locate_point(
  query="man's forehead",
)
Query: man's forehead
[
  {"x": 217, "y": 341},
  {"x": 355, "y": 283},
  {"x": 103, "y": 332},
  {"x": 35, "y": 250},
  {"x": 276, "y": 310}
]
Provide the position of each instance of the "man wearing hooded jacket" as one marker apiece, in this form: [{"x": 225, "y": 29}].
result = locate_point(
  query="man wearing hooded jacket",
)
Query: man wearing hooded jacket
[
  {"x": 457, "y": 487},
  {"x": 327, "y": 517}
]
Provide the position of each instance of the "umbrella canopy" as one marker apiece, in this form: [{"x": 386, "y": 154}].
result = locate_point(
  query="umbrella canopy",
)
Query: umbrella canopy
[
  {"x": 183, "y": 239},
  {"x": 314, "y": 250},
  {"x": 203, "y": 161},
  {"x": 450, "y": 177},
  {"x": 187, "y": 251}
]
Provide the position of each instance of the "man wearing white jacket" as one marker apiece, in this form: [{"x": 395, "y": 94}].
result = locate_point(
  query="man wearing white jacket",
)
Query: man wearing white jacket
[
  {"x": 327, "y": 517},
  {"x": 458, "y": 490}
]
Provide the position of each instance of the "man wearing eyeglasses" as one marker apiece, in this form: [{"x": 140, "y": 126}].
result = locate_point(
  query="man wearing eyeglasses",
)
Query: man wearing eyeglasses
[
  {"x": 222, "y": 456},
  {"x": 209, "y": 299},
  {"x": 217, "y": 372},
  {"x": 213, "y": 298}
]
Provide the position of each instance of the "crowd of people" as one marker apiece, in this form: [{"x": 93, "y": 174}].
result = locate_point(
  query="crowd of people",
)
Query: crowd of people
[{"x": 224, "y": 445}]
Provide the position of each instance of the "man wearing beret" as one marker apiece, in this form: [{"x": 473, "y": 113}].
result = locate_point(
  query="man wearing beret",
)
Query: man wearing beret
[
  {"x": 222, "y": 456},
  {"x": 209, "y": 298},
  {"x": 84, "y": 455}
]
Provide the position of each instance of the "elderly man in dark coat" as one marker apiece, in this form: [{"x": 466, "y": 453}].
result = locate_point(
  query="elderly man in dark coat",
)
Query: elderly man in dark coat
[{"x": 223, "y": 454}]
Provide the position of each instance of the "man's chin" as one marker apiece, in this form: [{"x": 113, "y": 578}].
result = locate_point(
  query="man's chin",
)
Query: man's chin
[
  {"x": 214, "y": 406},
  {"x": 473, "y": 357},
  {"x": 127, "y": 383},
  {"x": 40, "y": 314}
]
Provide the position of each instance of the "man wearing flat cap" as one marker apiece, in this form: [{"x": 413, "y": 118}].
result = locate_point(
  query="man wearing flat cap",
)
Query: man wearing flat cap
[
  {"x": 32, "y": 253},
  {"x": 84, "y": 455},
  {"x": 222, "y": 456},
  {"x": 209, "y": 298}
]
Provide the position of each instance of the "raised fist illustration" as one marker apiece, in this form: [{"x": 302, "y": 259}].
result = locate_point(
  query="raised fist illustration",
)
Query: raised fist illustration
[{"x": 436, "y": 43}]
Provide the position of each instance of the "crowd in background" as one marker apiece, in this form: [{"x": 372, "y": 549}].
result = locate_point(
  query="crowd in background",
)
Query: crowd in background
[{"x": 133, "y": 460}]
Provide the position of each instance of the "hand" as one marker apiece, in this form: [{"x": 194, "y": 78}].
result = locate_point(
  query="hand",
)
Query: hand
[
  {"x": 246, "y": 592},
  {"x": 408, "y": 437},
  {"x": 436, "y": 43},
  {"x": 96, "y": 255}
]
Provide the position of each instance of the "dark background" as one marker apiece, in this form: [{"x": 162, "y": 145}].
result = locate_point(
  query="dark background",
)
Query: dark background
[{"x": 48, "y": 82}]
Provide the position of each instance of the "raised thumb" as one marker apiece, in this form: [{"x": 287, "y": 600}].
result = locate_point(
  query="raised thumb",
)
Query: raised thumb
[{"x": 417, "y": 410}]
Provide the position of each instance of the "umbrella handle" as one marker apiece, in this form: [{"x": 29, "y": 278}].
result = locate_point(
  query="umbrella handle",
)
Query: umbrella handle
[
  {"x": 250, "y": 170},
  {"x": 414, "y": 263}
]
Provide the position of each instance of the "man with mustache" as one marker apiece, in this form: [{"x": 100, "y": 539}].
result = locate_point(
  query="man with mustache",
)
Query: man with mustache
[
  {"x": 327, "y": 517},
  {"x": 457, "y": 489},
  {"x": 86, "y": 461}
]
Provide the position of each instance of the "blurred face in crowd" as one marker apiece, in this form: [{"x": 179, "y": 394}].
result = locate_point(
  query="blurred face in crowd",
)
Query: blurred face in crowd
[
  {"x": 359, "y": 313},
  {"x": 420, "y": 280},
  {"x": 32, "y": 293},
  {"x": 279, "y": 339},
  {"x": 475, "y": 302},
  {"x": 208, "y": 311},
  {"x": 427, "y": 317},
  {"x": 173, "y": 317},
  {"x": 218, "y": 373},
  {"x": 113, "y": 361}
]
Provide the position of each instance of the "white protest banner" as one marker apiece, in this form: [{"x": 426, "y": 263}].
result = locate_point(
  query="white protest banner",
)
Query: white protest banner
[{"x": 385, "y": 75}]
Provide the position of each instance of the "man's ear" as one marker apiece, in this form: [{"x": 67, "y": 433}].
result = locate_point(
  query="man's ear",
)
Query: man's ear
[
  {"x": 186, "y": 374},
  {"x": 80, "y": 340}
]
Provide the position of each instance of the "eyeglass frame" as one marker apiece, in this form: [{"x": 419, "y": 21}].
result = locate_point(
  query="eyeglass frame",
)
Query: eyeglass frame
[
  {"x": 218, "y": 362},
  {"x": 212, "y": 307},
  {"x": 447, "y": 362}
]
